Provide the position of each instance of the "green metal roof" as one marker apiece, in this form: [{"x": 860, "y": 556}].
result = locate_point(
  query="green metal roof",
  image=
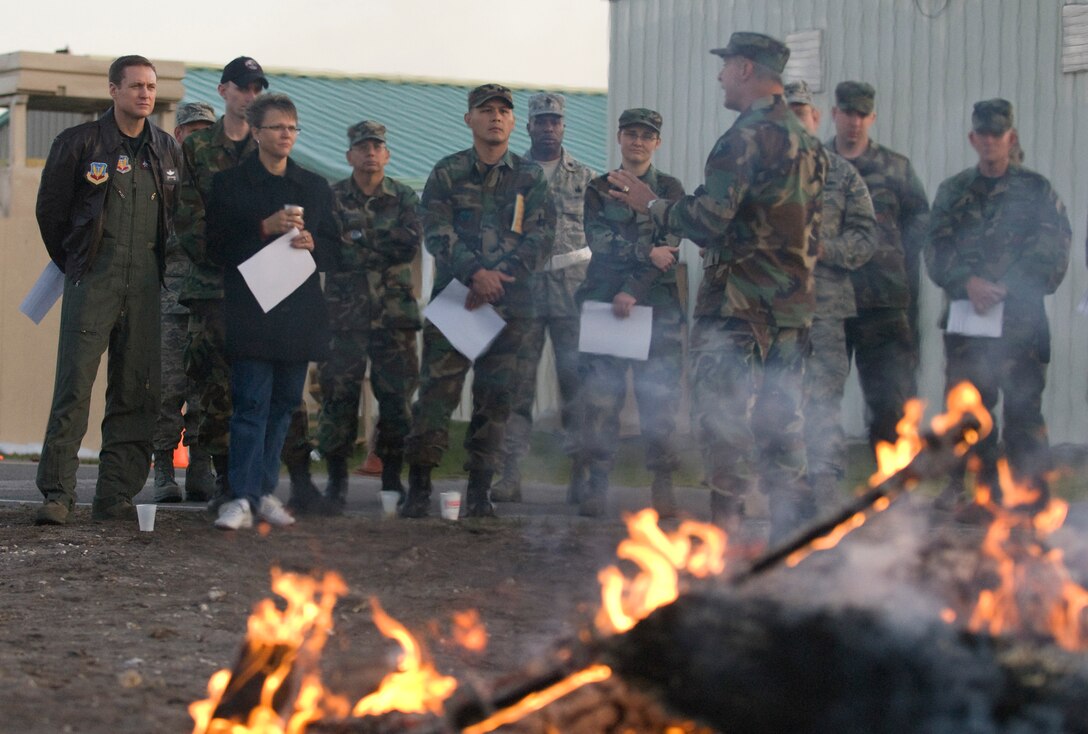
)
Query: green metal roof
[{"x": 424, "y": 119}]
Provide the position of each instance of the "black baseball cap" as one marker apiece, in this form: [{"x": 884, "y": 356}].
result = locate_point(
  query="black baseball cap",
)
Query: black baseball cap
[{"x": 243, "y": 71}]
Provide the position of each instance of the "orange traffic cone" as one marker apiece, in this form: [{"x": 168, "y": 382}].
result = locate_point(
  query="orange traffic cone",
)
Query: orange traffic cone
[{"x": 181, "y": 453}]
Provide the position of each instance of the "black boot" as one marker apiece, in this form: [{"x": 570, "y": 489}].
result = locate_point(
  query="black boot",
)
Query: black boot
[
  {"x": 508, "y": 488},
  {"x": 305, "y": 498},
  {"x": 222, "y": 493},
  {"x": 726, "y": 511},
  {"x": 199, "y": 482},
  {"x": 595, "y": 497},
  {"x": 391, "y": 466},
  {"x": 479, "y": 494},
  {"x": 661, "y": 495},
  {"x": 336, "y": 491},
  {"x": 417, "y": 503},
  {"x": 166, "y": 487}
]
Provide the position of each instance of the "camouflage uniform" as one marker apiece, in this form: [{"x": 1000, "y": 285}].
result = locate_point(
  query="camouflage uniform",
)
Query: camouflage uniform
[
  {"x": 556, "y": 311},
  {"x": 1011, "y": 230},
  {"x": 621, "y": 241},
  {"x": 468, "y": 213},
  {"x": 847, "y": 241},
  {"x": 755, "y": 302},
  {"x": 177, "y": 389},
  {"x": 883, "y": 337},
  {"x": 207, "y": 152},
  {"x": 372, "y": 314}
]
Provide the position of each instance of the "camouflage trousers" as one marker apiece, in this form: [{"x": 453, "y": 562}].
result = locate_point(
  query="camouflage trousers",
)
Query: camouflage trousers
[
  {"x": 1015, "y": 369},
  {"x": 177, "y": 389},
  {"x": 207, "y": 367},
  {"x": 441, "y": 379},
  {"x": 746, "y": 393},
  {"x": 564, "y": 336},
  {"x": 394, "y": 375},
  {"x": 825, "y": 379},
  {"x": 657, "y": 391},
  {"x": 881, "y": 343}
]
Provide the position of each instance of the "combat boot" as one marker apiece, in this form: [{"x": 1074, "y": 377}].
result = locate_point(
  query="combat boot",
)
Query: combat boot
[
  {"x": 508, "y": 488},
  {"x": 661, "y": 495},
  {"x": 222, "y": 493},
  {"x": 579, "y": 476},
  {"x": 199, "y": 482},
  {"x": 336, "y": 491},
  {"x": 166, "y": 487},
  {"x": 417, "y": 503},
  {"x": 726, "y": 511},
  {"x": 305, "y": 498},
  {"x": 595, "y": 497},
  {"x": 479, "y": 494},
  {"x": 391, "y": 466}
]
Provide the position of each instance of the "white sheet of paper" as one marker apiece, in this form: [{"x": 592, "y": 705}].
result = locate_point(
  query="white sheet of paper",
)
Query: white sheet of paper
[
  {"x": 963, "y": 319},
  {"x": 43, "y": 294},
  {"x": 277, "y": 270},
  {"x": 602, "y": 332},
  {"x": 470, "y": 332}
]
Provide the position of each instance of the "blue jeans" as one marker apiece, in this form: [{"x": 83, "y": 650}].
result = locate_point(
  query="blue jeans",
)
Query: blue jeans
[{"x": 264, "y": 396}]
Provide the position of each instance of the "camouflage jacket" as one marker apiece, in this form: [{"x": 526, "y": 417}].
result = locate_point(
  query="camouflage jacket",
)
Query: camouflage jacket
[
  {"x": 1011, "y": 230},
  {"x": 207, "y": 152},
  {"x": 380, "y": 235},
  {"x": 621, "y": 241},
  {"x": 758, "y": 216},
  {"x": 890, "y": 278},
  {"x": 847, "y": 238},
  {"x": 500, "y": 218},
  {"x": 177, "y": 268},
  {"x": 553, "y": 289}
]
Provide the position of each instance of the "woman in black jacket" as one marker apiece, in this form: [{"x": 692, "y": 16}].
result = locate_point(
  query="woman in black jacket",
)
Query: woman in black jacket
[{"x": 264, "y": 197}]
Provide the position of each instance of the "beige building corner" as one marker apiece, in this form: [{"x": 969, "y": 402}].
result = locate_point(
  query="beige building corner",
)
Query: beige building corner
[{"x": 42, "y": 94}]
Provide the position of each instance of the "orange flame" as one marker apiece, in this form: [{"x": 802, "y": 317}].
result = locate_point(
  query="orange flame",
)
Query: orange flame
[
  {"x": 540, "y": 699},
  {"x": 278, "y": 643},
  {"x": 892, "y": 457},
  {"x": 468, "y": 631},
  {"x": 695, "y": 548},
  {"x": 415, "y": 687},
  {"x": 1034, "y": 592}
]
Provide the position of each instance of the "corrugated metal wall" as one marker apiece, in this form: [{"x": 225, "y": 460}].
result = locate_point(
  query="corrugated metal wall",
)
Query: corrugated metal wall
[{"x": 929, "y": 60}]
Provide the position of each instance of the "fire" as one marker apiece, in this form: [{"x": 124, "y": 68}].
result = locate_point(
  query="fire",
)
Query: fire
[
  {"x": 695, "y": 548},
  {"x": 468, "y": 631},
  {"x": 277, "y": 646},
  {"x": 1034, "y": 592},
  {"x": 415, "y": 687},
  {"x": 892, "y": 457}
]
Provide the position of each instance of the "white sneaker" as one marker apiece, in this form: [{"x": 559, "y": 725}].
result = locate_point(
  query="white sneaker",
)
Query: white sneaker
[
  {"x": 272, "y": 512},
  {"x": 234, "y": 515}
]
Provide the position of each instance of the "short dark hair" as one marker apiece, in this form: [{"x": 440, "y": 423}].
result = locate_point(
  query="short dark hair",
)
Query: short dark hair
[
  {"x": 260, "y": 106},
  {"x": 117, "y": 68},
  {"x": 765, "y": 73}
]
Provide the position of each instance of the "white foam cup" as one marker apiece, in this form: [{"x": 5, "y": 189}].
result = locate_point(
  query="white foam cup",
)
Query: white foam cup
[
  {"x": 389, "y": 501},
  {"x": 451, "y": 505},
  {"x": 146, "y": 515}
]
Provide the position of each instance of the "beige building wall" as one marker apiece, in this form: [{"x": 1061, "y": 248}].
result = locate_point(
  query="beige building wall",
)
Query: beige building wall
[{"x": 32, "y": 85}]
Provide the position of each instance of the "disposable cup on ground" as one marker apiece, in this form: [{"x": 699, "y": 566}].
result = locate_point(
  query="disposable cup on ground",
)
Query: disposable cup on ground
[
  {"x": 146, "y": 515},
  {"x": 389, "y": 501},
  {"x": 451, "y": 505}
]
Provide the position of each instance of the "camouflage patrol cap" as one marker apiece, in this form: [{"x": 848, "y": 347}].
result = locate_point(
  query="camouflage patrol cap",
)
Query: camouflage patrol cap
[
  {"x": 798, "y": 93},
  {"x": 855, "y": 97},
  {"x": 243, "y": 71},
  {"x": 194, "y": 112},
  {"x": 641, "y": 116},
  {"x": 993, "y": 116},
  {"x": 366, "y": 130},
  {"x": 546, "y": 103},
  {"x": 484, "y": 92},
  {"x": 756, "y": 47}
]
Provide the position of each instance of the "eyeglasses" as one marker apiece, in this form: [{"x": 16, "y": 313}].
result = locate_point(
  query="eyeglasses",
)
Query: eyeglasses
[
  {"x": 647, "y": 137},
  {"x": 290, "y": 129}
]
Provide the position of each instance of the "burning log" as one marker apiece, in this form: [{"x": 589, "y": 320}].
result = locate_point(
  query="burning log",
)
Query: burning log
[{"x": 755, "y": 665}]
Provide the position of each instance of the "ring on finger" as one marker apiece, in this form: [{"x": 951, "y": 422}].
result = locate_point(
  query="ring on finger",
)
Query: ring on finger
[{"x": 626, "y": 189}]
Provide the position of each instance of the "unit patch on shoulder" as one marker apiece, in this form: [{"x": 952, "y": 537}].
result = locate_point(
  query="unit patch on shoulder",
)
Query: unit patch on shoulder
[
  {"x": 97, "y": 173},
  {"x": 123, "y": 166}
]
